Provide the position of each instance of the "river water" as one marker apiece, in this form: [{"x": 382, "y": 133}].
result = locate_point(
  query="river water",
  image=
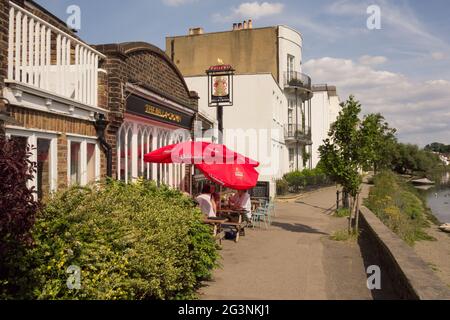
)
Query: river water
[{"x": 438, "y": 198}]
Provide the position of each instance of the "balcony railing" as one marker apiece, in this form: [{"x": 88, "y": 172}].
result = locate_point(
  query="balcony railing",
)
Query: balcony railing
[
  {"x": 295, "y": 79},
  {"x": 44, "y": 57},
  {"x": 297, "y": 133}
]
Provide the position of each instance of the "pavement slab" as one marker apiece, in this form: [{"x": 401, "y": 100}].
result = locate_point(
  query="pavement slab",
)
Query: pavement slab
[{"x": 294, "y": 259}]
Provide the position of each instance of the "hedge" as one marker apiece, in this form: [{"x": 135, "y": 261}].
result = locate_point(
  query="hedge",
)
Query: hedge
[{"x": 131, "y": 241}]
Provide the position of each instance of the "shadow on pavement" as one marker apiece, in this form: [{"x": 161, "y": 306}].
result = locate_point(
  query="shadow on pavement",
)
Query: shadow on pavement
[
  {"x": 325, "y": 210},
  {"x": 297, "y": 227}
]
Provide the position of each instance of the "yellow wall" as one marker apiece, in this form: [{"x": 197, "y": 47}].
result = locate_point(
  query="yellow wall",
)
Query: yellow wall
[{"x": 248, "y": 51}]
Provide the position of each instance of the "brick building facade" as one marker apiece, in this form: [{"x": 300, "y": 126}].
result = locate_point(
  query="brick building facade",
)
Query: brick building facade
[
  {"x": 150, "y": 107},
  {"x": 49, "y": 76}
]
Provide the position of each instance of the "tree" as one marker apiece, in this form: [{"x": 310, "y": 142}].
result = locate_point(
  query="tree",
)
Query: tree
[
  {"x": 17, "y": 208},
  {"x": 377, "y": 142},
  {"x": 340, "y": 153}
]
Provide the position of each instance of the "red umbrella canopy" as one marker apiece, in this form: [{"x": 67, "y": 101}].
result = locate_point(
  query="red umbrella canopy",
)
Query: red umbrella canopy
[
  {"x": 198, "y": 152},
  {"x": 234, "y": 176}
]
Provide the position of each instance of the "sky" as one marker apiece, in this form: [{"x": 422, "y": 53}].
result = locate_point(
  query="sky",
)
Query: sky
[{"x": 401, "y": 69}]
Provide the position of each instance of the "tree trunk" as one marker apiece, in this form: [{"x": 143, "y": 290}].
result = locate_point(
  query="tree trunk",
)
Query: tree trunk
[{"x": 357, "y": 215}]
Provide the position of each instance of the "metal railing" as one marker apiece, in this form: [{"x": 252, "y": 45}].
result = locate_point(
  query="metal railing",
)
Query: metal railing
[
  {"x": 296, "y": 79},
  {"x": 45, "y": 57},
  {"x": 297, "y": 133}
]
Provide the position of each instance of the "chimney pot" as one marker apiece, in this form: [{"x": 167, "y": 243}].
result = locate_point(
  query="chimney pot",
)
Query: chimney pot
[
  {"x": 234, "y": 26},
  {"x": 245, "y": 24},
  {"x": 240, "y": 26},
  {"x": 250, "y": 24}
]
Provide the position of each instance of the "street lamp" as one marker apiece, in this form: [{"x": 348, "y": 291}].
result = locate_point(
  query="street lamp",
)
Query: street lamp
[{"x": 220, "y": 91}]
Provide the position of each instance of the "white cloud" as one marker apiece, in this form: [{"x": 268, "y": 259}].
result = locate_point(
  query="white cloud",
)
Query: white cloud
[
  {"x": 372, "y": 60},
  {"x": 257, "y": 10},
  {"x": 438, "y": 55},
  {"x": 419, "y": 110},
  {"x": 252, "y": 10},
  {"x": 176, "y": 3}
]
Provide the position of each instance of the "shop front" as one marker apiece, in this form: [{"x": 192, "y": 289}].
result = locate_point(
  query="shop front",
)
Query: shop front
[{"x": 150, "y": 107}]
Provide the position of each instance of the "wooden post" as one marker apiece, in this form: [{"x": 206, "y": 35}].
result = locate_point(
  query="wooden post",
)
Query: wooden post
[
  {"x": 357, "y": 215},
  {"x": 337, "y": 200}
]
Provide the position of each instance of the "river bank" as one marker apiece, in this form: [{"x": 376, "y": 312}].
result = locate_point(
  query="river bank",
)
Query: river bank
[{"x": 437, "y": 253}]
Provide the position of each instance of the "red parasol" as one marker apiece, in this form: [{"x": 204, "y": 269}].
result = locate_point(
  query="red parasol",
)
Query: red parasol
[
  {"x": 197, "y": 152},
  {"x": 234, "y": 176},
  {"x": 217, "y": 162}
]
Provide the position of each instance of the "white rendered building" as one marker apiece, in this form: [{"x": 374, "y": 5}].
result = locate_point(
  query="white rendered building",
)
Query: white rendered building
[
  {"x": 325, "y": 109},
  {"x": 271, "y": 110}
]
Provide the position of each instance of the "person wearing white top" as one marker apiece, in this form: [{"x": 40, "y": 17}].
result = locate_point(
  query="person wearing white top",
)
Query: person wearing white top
[
  {"x": 205, "y": 202},
  {"x": 242, "y": 200}
]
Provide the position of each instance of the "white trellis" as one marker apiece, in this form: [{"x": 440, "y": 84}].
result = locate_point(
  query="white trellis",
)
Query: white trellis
[{"x": 134, "y": 140}]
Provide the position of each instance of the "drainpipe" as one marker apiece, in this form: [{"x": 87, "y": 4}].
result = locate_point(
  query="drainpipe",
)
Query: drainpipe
[{"x": 100, "y": 126}]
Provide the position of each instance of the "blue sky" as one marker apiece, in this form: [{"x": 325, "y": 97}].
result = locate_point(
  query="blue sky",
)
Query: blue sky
[{"x": 401, "y": 70}]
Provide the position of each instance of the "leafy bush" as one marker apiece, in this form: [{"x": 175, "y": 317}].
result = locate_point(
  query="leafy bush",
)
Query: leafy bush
[
  {"x": 282, "y": 187},
  {"x": 342, "y": 212},
  {"x": 131, "y": 241},
  {"x": 17, "y": 211},
  {"x": 398, "y": 207},
  {"x": 306, "y": 178}
]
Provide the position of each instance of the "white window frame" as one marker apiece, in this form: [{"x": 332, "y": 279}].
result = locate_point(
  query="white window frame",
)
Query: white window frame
[
  {"x": 83, "y": 149},
  {"x": 32, "y": 137}
]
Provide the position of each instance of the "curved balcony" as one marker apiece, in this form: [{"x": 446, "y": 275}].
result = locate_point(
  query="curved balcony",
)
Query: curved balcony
[
  {"x": 297, "y": 133},
  {"x": 300, "y": 82}
]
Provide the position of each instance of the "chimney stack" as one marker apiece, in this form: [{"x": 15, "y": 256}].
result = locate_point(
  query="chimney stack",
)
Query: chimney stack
[{"x": 195, "y": 31}]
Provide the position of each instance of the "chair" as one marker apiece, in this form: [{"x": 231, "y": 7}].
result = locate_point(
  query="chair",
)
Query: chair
[{"x": 260, "y": 215}]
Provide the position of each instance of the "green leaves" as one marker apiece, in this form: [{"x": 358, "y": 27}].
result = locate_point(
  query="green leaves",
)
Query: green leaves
[
  {"x": 354, "y": 145},
  {"x": 131, "y": 241}
]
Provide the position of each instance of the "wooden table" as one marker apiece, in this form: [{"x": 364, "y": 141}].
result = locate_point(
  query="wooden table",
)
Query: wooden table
[
  {"x": 217, "y": 227},
  {"x": 239, "y": 225}
]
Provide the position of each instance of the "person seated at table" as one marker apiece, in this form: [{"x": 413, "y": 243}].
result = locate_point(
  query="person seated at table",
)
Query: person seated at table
[
  {"x": 205, "y": 202},
  {"x": 241, "y": 200}
]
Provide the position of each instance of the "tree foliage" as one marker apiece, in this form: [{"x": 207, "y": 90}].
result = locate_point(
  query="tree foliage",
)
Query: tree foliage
[
  {"x": 340, "y": 153},
  {"x": 377, "y": 142},
  {"x": 17, "y": 209}
]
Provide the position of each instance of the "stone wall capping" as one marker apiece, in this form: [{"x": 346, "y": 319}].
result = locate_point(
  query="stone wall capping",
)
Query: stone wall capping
[{"x": 414, "y": 277}]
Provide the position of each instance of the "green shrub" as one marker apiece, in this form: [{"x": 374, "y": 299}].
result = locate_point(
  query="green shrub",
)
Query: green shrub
[
  {"x": 344, "y": 235},
  {"x": 306, "y": 178},
  {"x": 282, "y": 187},
  {"x": 398, "y": 207},
  {"x": 342, "y": 212},
  {"x": 134, "y": 241}
]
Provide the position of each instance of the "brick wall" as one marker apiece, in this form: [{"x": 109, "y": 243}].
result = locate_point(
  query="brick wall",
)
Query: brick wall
[
  {"x": 145, "y": 65},
  {"x": 34, "y": 119},
  {"x": 4, "y": 27}
]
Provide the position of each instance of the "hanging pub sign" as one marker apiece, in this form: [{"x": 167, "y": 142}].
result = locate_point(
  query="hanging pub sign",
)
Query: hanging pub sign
[{"x": 220, "y": 85}]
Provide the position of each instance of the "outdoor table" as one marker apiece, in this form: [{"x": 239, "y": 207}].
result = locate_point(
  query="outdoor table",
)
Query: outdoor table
[
  {"x": 239, "y": 226},
  {"x": 217, "y": 225}
]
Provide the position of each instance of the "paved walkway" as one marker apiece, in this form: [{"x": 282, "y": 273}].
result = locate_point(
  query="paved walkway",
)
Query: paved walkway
[{"x": 294, "y": 259}]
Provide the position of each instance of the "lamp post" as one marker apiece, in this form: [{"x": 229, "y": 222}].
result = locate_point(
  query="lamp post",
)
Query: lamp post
[{"x": 220, "y": 91}]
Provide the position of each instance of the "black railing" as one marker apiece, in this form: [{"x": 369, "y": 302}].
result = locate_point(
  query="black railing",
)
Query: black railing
[
  {"x": 296, "y": 79},
  {"x": 297, "y": 132}
]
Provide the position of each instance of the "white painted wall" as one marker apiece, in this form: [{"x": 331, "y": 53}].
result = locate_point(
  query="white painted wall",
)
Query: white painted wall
[
  {"x": 254, "y": 125},
  {"x": 324, "y": 111},
  {"x": 290, "y": 42}
]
